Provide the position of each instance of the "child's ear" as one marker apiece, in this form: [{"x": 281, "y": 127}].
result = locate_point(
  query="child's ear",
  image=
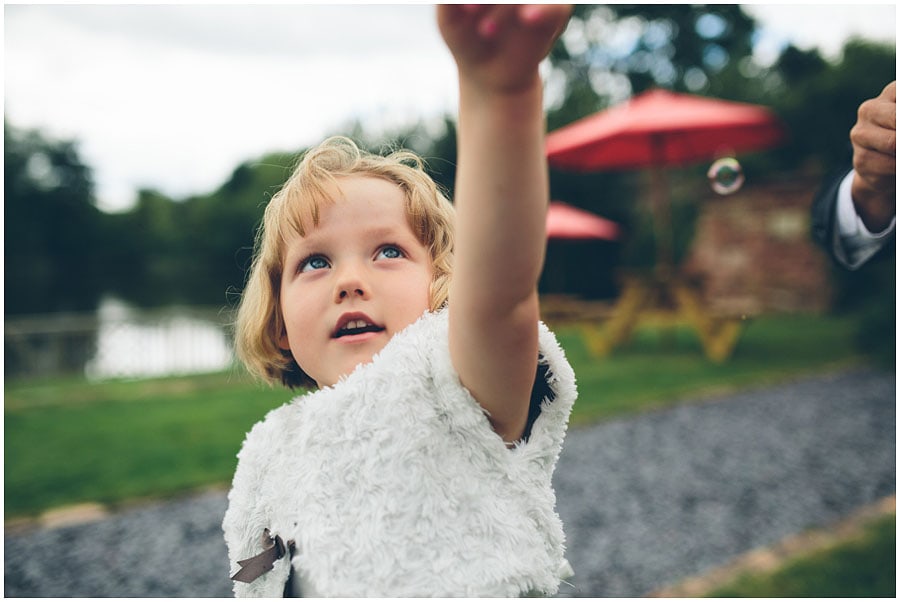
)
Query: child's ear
[{"x": 283, "y": 342}]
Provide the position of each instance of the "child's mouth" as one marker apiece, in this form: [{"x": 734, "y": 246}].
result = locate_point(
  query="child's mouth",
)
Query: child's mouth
[
  {"x": 344, "y": 332},
  {"x": 354, "y": 327}
]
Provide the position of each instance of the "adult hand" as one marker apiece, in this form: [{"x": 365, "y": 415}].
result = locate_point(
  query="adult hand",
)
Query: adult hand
[
  {"x": 874, "y": 139},
  {"x": 498, "y": 48}
]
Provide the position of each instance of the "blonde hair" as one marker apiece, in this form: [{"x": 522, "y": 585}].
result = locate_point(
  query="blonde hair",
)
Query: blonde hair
[{"x": 295, "y": 209}]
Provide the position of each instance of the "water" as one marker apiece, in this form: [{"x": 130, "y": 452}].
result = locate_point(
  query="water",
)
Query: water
[
  {"x": 119, "y": 340},
  {"x": 178, "y": 341}
]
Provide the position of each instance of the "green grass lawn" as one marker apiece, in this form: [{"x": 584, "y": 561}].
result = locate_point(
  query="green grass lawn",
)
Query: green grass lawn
[
  {"x": 663, "y": 367},
  {"x": 859, "y": 567},
  {"x": 70, "y": 441}
]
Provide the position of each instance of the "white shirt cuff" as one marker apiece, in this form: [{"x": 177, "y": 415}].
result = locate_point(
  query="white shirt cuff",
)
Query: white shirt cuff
[
  {"x": 848, "y": 221},
  {"x": 853, "y": 242}
]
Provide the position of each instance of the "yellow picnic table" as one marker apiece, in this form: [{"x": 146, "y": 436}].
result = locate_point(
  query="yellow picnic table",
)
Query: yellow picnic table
[{"x": 644, "y": 299}]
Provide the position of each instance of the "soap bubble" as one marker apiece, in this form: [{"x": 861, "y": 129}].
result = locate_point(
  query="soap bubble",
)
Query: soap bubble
[{"x": 726, "y": 175}]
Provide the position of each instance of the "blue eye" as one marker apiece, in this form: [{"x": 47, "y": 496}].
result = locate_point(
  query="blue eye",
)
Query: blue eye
[
  {"x": 314, "y": 262},
  {"x": 390, "y": 252}
]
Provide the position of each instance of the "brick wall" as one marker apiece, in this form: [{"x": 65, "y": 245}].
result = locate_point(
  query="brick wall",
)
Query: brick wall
[{"x": 752, "y": 251}]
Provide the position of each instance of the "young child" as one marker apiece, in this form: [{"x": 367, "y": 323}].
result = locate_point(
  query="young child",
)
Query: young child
[{"x": 422, "y": 464}]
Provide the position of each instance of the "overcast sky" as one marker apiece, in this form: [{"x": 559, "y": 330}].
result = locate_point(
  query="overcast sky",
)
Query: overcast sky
[{"x": 175, "y": 97}]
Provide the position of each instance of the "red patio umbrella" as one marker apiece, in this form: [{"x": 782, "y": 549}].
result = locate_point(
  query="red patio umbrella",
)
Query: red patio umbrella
[
  {"x": 659, "y": 129},
  {"x": 662, "y": 128},
  {"x": 568, "y": 222}
]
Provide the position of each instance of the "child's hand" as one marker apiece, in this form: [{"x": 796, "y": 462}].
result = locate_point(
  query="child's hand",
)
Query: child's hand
[{"x": 499, "y": 47}]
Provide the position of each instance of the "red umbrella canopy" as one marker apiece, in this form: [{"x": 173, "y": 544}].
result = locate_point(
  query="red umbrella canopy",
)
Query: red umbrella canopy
[
  {"x": 567, "y": 222},
  {"x": 661, "y": 128}
]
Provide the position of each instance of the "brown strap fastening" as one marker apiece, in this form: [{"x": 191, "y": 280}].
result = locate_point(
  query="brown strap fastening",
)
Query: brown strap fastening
[{"x": 262, "y": 563}]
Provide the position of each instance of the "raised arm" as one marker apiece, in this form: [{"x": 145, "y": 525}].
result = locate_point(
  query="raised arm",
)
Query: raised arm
[{"x": 501, "y": 199}]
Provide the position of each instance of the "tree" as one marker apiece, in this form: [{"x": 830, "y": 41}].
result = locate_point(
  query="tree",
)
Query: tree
[
  {"x": 54, "y": 233},
  {"x": 611, "y": 52},
  {"x": 819, "y": 100},
  {"x": 228, "y": 218},
  {"x": 62, "y": 253}
]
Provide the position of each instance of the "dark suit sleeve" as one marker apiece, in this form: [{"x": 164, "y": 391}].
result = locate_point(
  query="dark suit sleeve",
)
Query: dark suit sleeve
[
  {"x": 824, "y": 223},
  {"x": 824, "y": 210}
]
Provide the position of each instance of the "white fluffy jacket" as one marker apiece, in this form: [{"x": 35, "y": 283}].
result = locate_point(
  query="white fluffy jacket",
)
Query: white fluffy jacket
[{"x": 392, "y": 483}]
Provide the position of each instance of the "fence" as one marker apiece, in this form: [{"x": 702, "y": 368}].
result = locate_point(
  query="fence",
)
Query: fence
[{"x": 117, "y": 341}]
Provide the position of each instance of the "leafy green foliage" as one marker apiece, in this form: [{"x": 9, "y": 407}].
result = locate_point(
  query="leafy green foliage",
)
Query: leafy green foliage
[
  {"x": 53, "y": 237},
  {"x": 675, "y": 46},
  {"x": 818, "y": 100},
  {"x": 198, "y": 250}
]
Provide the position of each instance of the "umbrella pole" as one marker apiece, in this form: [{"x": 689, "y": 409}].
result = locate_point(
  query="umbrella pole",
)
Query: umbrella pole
[
  {"x": 664, "y": 256},
  {"x": 662, "y": 217}
]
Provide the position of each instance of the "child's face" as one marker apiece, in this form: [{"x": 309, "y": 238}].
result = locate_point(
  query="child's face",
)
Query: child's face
[{"x": 354, "y": 281}]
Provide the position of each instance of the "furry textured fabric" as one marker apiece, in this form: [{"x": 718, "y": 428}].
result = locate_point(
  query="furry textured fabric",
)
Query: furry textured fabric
[{"x": 392, "y": 483}]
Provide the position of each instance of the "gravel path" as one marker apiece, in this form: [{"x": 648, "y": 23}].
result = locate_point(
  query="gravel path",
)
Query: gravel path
[{"x": 646, "y": 501}]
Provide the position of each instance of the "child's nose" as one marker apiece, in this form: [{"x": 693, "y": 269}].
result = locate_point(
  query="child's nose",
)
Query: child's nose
[
  {"x": 348, "y": 292},
  {"x": 350, "y": 284}
]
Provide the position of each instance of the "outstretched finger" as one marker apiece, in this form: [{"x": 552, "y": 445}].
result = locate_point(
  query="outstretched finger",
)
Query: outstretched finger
[
  {"x": 550, "y": 16},
  {"x": 482, "y": 19}
]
